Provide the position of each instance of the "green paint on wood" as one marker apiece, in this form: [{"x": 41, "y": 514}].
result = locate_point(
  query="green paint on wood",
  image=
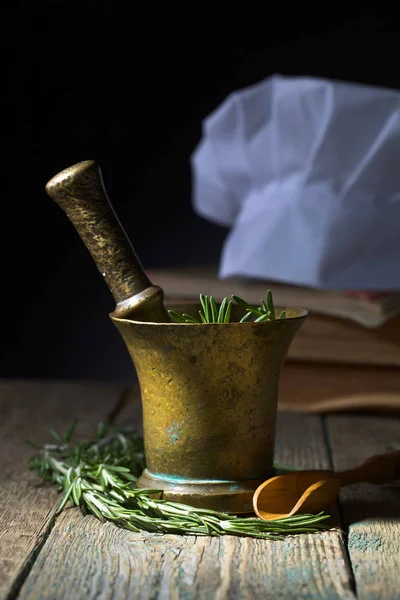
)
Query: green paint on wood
[{"x": 363, "y": 542}]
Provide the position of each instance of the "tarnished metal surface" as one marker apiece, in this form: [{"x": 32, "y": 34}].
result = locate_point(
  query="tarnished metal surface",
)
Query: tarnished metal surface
[
  {"x": 209, "y": 404},
  {"x": 79, "y": 191},
  {"x": 209, "y": 390}
]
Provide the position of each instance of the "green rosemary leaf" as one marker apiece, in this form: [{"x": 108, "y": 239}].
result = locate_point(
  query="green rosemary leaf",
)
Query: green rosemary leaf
[
  {"x": 270, "y": 304},
  {"x": 127, "y": 525},
  {"x": 240, "y": 301},
  {"x": 55, "y": 435},
  {"x": 76, "y": 492},
  {"x": 101, "y": 431},
  {"x": 203, "y": 303},
  {"x": 117, "y": 469},
  {"x": 69, "y": 479},
  {"x": 206, "y": 310},
  {"x": 176, "y": 316},
  {"x": 246, "y": 316},
  {"x": 70, "y": 431},
  {"x": 228, "y": 312},
  {"x": 99, "y": 475},
  {"x": 32, "y": 445},
  {"x": 92, "y": 507},
  {"x": 283, "y": 315},
  {"x": 214, "y": 310},
  {"x": 189, "y": 318},
  {"x": 208, "y": 314},
  {"x": 255, "y": 311},
  {"x": 222, "y": 309},
  {"x": 264, "y": 317},
  {"x": 212, "y": 528},
  {"x": 65, "y": 498},
  {"x": 211, "y": 314}
]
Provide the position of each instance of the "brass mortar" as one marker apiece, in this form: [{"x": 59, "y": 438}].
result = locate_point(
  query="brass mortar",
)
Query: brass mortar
[
  {"x": 209, "y": 394},
  {"x": 209, "y": 391}
]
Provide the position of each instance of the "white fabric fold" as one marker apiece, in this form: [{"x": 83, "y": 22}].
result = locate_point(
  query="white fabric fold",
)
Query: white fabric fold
[{"x": 306, "y": 174}]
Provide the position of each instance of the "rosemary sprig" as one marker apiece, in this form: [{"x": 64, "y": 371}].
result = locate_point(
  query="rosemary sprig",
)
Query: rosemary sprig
[
  {"x": 99, "y": 476},
  {"x": 265, "y": 312},
  {"x": 211, "y": 314}
]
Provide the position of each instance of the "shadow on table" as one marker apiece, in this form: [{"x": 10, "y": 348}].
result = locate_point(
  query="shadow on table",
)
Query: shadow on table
[{"x": 372, "y": 503}]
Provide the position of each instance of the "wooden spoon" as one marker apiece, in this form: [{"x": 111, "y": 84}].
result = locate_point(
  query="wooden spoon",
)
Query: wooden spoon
[{"x": 308, "y": 492}]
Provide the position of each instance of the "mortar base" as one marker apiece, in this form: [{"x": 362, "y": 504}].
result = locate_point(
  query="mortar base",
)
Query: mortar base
[{"x": 234, "y": 497}]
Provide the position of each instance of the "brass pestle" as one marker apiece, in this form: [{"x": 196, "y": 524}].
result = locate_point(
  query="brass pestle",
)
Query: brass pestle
[{"x": 79, "y": 191}]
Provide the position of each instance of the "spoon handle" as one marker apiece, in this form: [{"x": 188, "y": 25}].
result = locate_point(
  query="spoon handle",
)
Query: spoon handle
[{"x": 377, "y": 469}]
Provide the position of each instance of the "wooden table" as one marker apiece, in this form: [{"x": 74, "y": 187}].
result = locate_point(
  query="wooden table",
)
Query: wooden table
[{"x": 76, "y": 557}]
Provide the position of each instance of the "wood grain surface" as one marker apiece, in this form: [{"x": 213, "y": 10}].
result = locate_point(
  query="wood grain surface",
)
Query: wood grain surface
[
  {"x": 85, "y": 559},
  {"x": 77, "y": 557},
  {"x": 27, "y": 410},
  {"x": 371, "y": 513},
  {"x": 302, "y": 385}
]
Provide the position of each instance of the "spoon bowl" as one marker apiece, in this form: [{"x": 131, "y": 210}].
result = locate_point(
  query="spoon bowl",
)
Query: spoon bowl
[
  {"x": 285, "y": 495},
  {"x": 305, "y": 492}
]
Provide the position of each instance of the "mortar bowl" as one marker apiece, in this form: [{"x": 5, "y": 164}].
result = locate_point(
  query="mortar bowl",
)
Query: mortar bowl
[{"x": 209, "y": 395}]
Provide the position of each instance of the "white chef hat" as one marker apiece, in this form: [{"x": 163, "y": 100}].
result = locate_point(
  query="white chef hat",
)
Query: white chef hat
[{"x": 306, "y": 173}]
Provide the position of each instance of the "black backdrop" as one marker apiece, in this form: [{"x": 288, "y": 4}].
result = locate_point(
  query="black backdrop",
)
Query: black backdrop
[{"x": 95, "y": 81}]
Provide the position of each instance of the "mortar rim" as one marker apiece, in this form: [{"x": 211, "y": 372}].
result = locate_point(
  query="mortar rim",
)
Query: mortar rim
[{"x": 304, "y": 313}]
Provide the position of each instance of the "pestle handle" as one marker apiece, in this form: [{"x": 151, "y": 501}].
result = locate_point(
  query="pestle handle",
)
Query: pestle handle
[
  {"x": 377, "y": 469},
  {"x": 79, "y": 191}
]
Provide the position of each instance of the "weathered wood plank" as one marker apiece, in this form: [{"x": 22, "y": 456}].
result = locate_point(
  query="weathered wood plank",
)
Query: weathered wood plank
[
  {"x": 302, "y": 384},
  {"x": 371, "y": 513},
  {"x": 84, "y": 558},
  {"x": 27, "y": 410}
]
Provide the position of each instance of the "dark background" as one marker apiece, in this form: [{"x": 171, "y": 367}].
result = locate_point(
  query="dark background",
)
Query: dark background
[{"x": 130, "y": 91}]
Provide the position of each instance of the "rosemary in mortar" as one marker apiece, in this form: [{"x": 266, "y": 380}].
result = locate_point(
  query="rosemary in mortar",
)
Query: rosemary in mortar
[
  {"x": 99, "y": 476},
  {"x": 210, "y": 312}
]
